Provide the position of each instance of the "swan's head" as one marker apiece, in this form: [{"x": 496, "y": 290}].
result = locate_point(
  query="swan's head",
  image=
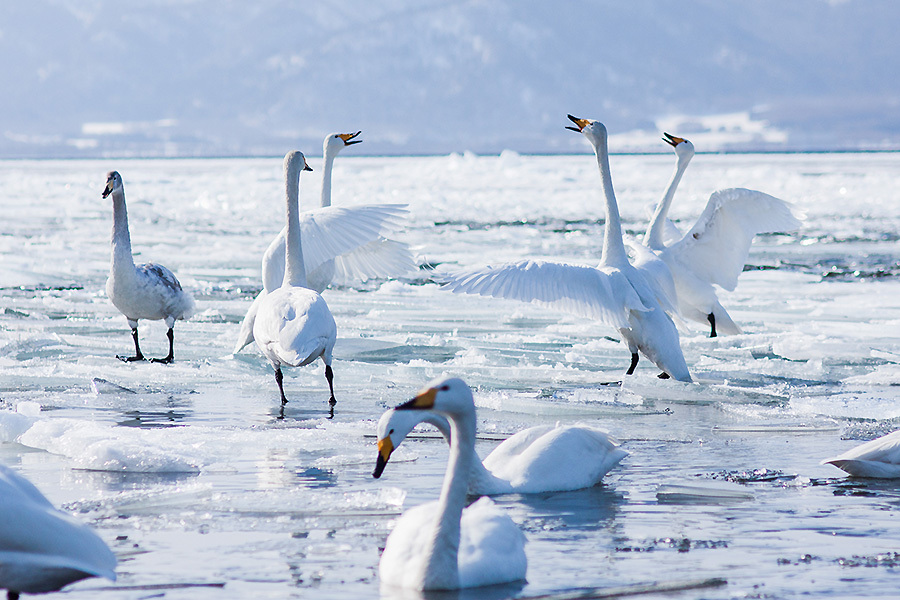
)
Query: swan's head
[
  {"x": 335, "y": 142},
  {"x": 594, "y": 131},
  {"x": 113, "y": 183},
  {"x": 684, "y": 149},
  {"x": 294, "y": 160},
  {"x": 395, "y": 425}
]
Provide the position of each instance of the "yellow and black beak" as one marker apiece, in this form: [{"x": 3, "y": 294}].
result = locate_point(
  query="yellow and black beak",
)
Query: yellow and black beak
[
  {"x": 423, "y": 401},
  {"x": 672, "y": 140},
  {"x": 581, "y": 123},
  {"x": 348, "y": 138},
  {"x": 306, "y": 167},
  {"x": 385, "y": 448}
]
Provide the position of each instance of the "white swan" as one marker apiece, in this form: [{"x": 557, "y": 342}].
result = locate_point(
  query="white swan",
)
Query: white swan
[
  {"x": 445, "y": 545},
  {"x": 633, "y": 300},
  {"x": 43, "y": 549},
  {"x": 717, "y": 246},
  {"x": 877, "y": 458},
  {"x": 147, "y": 291},
  {"x": 535, "y": 460},
  {"x": 294, "y": 326},
  {"x": 339, "y": 243}
]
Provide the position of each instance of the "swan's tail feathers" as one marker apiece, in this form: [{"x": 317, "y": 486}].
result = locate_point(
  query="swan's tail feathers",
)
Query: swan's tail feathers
[
  {"x": 301, "y": 353},
  {"x": 724, "y": 323},
  {"x": 379, "y": 259},
  {"x": 601, "y": 294},
  {"x": 245, "y": 336}
]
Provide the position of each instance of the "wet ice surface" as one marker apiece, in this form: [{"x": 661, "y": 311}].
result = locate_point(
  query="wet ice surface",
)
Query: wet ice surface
[{"x": 186, "y": 472}]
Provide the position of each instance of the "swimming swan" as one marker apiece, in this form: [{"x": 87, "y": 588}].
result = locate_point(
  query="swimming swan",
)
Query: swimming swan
[
  {"x": 43, "y": 549},
  {"x": 445, "y": 545},
  {"x": 877, "y": 458},
  {"x": 148, "y": 291},
  {"x": 537, "y": 459},
  {"x": 717, "y": 246},
  {"x": 629, "y": 298},
  {"x": 339, "y": 243},
  {"x": 294, "y": 326}
]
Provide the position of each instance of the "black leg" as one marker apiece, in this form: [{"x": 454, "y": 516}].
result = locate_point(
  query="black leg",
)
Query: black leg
[
  {"x": 171, "y": 356},
  {"x": 137, "y": 349},
  {"x": 329, "y": 377},
  {"x": 712, "y": 323},
  {"x": 279, "y": 379},
  {"x": 11, "y": 595},
  {"x": 634, "y": 362}
]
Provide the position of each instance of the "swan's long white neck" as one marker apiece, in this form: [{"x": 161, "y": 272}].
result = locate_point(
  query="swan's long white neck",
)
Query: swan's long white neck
[
  {"x": 121, "y": 238},
  {"x": 442, "y": 570},
  {"x": 326, "y": 174},
  {"x": 294, "y": 269},
  {"x": 480, "y": 478},
  {"x": 653, "y": 239},
  {"x": 613, "y": 247}
]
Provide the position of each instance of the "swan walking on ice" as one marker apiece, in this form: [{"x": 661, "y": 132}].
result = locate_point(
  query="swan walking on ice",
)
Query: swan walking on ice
[
  {"x": 537, "y": 459},
  {"x": 631, "y": 299},
  {"x": 43, "y": 549},
  {"x": 147, "y": 291},
  {"x": 294, "y": 326},
  {"x": 339, "y": 243},
  {"x": 444, "y": 545},
  {"x": 717, "y": 246},
  {"x": 877, "y": 458}
]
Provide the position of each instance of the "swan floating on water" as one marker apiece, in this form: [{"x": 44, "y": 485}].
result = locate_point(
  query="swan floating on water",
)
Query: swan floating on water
[
  {"x": 633, "y": 299},
  {"x": 445, "y": 545},
  {"x": 878, "y": 458},
  {"x": 716, "y": 248},
  {"x": 43, "y": 549},
  {"x": 339, "y": 243},
  {"x": 148, "y": 291},
  {"x": 293, "y": 326},
  {"x": 535, "y": 460}
]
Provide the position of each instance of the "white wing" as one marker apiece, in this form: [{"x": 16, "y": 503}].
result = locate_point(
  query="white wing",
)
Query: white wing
[
  {"x": 716, "y": 248},
  {"x": 329, "y": 232},
  {"x": 603, "y": 294},
  {"x": 379, "y": 259},
  {"x": 656, "y": 275}
]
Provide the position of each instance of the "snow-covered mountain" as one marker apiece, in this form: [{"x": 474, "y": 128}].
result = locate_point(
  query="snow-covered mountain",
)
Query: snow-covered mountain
[{"x": 227, "y": 77}]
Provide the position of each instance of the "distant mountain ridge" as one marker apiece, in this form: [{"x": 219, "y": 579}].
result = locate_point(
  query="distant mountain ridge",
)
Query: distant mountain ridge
[{"x": 217, "y": 78}]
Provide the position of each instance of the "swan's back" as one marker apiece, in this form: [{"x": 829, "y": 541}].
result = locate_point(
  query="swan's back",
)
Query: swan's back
[
  {"x": 491, "y": 548},
  {"x": 877, "y": 458},
  {"x": 41, "y": 548},
  {"x": 294, "y": 326},
  {"x": 564, "y": 458}
]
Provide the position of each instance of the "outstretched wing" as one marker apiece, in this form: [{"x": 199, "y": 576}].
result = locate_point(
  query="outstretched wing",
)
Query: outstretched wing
[
  {"x": 718, "y": 245},
  {"x": 603, "y": 294},
  {"x": 379, "y": 259}
]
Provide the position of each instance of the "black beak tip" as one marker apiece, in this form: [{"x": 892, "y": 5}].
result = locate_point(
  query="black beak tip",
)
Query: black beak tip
[
  {"x": 307, "y": 168},
  {"x": 408, "y": 405},
  {"x": 380, "y": 464},
  {"x": 575, "y": 129}
]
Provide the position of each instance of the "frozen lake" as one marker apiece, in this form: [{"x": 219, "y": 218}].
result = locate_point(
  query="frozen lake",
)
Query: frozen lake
[{"x": 204, "y": 494}]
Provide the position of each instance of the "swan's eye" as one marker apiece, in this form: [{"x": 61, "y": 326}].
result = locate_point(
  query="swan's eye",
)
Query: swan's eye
[
  {"x": 391, "y": 432},
  {"x": 444, "y": 388}
]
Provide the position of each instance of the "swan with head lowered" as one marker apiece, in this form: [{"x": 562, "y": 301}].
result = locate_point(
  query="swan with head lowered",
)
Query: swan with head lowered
[
  {"x": 43, "y": 549},
  {"x": 538, "y": 459},
  {"x": 293, "y": 326},
  {"x": 340, "y": 244},
  {"x": 714, "y": 251},
  {"x": 634, "y": 300},
  {"x": 445, "y": 545},
  {"x": 878, "y": 458},
  {"x": 148, "y": 291}
]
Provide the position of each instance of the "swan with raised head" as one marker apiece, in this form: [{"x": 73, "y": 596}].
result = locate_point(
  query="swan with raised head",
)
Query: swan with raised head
[
  {"x": 148, "y": 291},
  {"x": 535, "y": 460},
  {"x": 445, "y": 545},
  {"x": 878, "y": 458},
  {"x": 339, "y": 243},
  {"x": 632, "y": 299},
  {"x": 294, "y": 326},
  {"x": 717, "y": 246},
  {"x": 43, "y": 549}
]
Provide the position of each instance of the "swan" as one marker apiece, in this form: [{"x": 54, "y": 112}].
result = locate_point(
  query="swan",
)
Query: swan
[
  {"x": 631, "y": 298},
  {"x": 43, "y": 549},
  {"x": 535, "y": 460},
  {"x": 877, "y": 458},
  {"x": 148, "y": 291},
  {"x": 294, "y": 326},
  {"x": 339, "y": 244},
  {"x": 445, "y": 545},
  {"x": 717, "y": 246}
]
